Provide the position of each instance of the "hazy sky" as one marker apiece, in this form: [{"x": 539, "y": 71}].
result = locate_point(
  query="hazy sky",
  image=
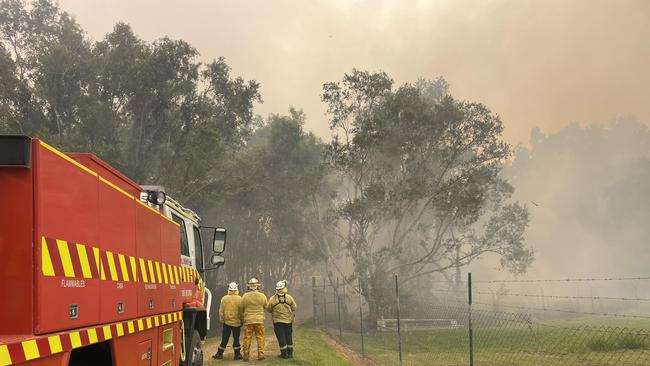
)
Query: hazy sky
[{"x": 542, "y": 63}]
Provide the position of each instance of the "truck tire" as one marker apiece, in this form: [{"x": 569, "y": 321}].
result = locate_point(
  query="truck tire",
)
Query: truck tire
[{"x": 194, "y": 353}]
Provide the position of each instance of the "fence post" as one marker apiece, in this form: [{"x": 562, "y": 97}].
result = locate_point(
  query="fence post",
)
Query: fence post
[
  {"x": 363, "y": 349},
  {"x": 324, "y": 303},
  {"x": 471, "y": 335},
  {"x": 399, "y": 327},
  {"x": 338, "y": 308},
  {"x": 313, "y": 294}
]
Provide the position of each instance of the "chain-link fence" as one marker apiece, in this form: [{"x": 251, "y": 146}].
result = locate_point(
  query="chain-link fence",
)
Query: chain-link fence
[{"x": 459, "y": 327}]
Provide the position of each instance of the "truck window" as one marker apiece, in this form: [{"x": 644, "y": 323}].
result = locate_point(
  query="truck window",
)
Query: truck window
[
  {"x": 185, "y": 247},
  {"x": 198, "y": 248}
]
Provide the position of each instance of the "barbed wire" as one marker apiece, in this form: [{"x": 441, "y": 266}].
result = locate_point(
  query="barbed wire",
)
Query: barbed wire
[
  {"x": 563, "y": 297},
  {"x": 563, "y": 311},
  {"x": 567, "y": 280}
]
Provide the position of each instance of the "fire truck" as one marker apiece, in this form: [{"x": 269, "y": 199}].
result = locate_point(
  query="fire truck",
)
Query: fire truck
[{"x": 94, "y": 268}]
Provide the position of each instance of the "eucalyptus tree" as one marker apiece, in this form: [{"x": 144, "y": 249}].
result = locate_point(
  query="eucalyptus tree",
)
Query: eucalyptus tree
[{"x": 421, "y": 191}]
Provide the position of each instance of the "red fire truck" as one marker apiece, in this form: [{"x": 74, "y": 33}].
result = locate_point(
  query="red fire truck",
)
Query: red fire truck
[{"x": 94, "y": 268}]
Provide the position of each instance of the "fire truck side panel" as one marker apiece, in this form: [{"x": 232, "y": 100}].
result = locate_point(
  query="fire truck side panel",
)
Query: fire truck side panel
[
  {"x": 66, "y": 222},
  {"x": 117, "y": 237},
  {"x": 136, "y": 350},
  {"x": 16, "y": 247},
  {"x": 169, "y": 345},
  {"x": 147, "y": 233},
  {"x": 106, "y": 171},
  {"x": 171, "y": 255}
]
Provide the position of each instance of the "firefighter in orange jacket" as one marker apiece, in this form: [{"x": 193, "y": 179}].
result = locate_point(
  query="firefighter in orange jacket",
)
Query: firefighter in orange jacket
[
  {"x": 231, "y": 317},
  {"x": 252, "y": 307}
]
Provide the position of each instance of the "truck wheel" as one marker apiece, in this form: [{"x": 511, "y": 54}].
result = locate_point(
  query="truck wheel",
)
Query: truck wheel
[{"x": 194, "y": 355}]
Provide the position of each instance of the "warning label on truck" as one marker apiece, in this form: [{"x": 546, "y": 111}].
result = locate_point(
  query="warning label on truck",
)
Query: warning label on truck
[{"x": 73, "y": 283}]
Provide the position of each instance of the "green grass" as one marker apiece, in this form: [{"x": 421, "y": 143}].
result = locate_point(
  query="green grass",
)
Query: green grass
[
  {"x": 310, "y": 349},
  {"x": 556, "y": 343}
]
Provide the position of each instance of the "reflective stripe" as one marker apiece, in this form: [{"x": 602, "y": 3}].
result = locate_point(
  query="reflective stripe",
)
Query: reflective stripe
[
  {"x": 67, "y": 158},
  {"x": 119, "y": 329},
  {"x": 143, "y": 270},
  {"x": 107, "y": 332},
  {"x": 158, "y": 272},
  {"x": 46, "y": 262},
  {"x": 111, "y": 266},
  {"x": 123, "y": 267},
  {"x": 164, "y": 271},
  {"x": 75, "y": 339},
  {"x": 83, "y": 259},
  {"x": 55, "y": 344},
  {"x": 152, "y": 276},
  {"x": 98, "y": 263},
  {"x": 31, "y": 350},
  {"x": 134, "y": 269},
  {"x": 66, "y": 262},
  {"x": 92, "y": 336},
  {"x": 5, "y": 358}
]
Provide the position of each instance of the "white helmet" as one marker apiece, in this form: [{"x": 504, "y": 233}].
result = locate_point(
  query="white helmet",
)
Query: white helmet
[
  {"x": 280, "y": 285},
  {"x": 253, "y": 283},
  {"x": 233, "y": 286}
]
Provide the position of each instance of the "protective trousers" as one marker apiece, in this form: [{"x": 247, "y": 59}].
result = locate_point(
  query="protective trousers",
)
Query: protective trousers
[
  {"x": 225, "y": 336},
  {"x": 249, "y": 330},
  {"x": 284, "y": 334}
]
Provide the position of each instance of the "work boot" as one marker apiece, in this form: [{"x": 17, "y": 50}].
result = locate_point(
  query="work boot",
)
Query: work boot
[
  {"x": 238, "y": 355},
  {"x": 218, "y": 355},
  {"x": 290, "y": 352}
]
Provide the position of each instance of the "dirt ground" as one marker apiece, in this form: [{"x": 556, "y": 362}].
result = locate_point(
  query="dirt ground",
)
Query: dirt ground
[{"x": 271, "y": 350}]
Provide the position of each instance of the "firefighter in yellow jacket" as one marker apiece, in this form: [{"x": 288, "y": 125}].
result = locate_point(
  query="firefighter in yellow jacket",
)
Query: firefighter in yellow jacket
[
  {"x": 231, "y": 317},
  {"x": 282, "y": 307},
  {"x": 252, "y": 307}
]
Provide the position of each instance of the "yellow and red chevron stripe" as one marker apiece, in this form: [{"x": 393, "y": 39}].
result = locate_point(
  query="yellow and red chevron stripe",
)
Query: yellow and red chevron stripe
[
  {"x": 13, "y": 353},
  {"x": 62, "y": 258}
]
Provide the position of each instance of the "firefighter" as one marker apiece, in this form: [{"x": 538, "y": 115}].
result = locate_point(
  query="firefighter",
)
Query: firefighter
[
  {"x": 231, "y": 317},
  {"x": 252, "y": 307},
  {"x": 282, "y": 307}
]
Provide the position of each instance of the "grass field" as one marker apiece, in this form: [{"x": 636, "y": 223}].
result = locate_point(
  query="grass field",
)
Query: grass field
[
  {"x": 311, "y": 348},
  {"x": 556, "y": 343}
]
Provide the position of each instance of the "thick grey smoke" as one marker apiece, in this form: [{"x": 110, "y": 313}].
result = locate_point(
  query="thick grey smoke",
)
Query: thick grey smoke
[{"x": 537, "y": 63}]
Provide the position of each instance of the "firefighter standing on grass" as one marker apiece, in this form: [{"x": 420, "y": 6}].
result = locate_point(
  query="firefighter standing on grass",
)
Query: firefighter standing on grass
[
  {"x": 252, "y": 307},
  {"x": 282, "y": 307},
  {"x": 231, "y": 317}
]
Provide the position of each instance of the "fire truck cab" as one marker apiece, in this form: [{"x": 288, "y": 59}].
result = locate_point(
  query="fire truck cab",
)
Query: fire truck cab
[{"x": 94, "y": 268}]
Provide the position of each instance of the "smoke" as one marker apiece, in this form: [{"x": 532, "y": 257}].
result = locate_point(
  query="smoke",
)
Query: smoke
[
  {"x": 537, "y": 63},
  {"x": 585, "y": 189}
]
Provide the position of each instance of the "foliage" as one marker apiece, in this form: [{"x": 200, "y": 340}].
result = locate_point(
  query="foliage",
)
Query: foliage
[
  {"x": 270, "y": 186},
  {"x": 421, "y": 190},
  {"x": 150, "y": 109}
]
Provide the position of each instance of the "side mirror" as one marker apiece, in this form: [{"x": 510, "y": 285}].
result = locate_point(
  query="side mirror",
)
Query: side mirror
[
  {"x": 219, "y": 240},
  {"x": 217, "y": 260}
]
